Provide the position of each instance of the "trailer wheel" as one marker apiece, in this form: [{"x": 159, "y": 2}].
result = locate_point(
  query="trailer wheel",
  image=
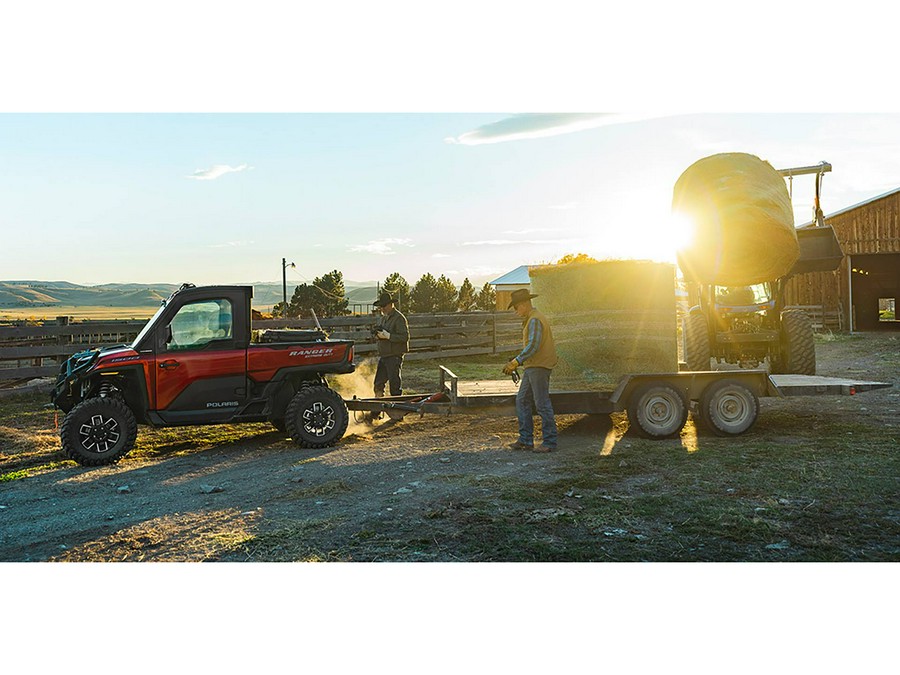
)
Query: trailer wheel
[
  {"x": 316, "y": 417},
  {"x": 728, "y": 408},
  {"x": 797, "y": 346},
  {"x": 695, "y": 336},
  {"x": 657, "y": 410},
  {"x": 98, "y": 431}
]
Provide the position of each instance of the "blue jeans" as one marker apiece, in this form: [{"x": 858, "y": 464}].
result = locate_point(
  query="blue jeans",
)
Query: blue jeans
[
  {"x": 388, "y": 372},
  {"x": 534, "y": 392}
]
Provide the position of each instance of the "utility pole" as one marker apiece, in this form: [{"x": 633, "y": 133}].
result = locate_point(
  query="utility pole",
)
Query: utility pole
[{"x": 284, "y": 266}]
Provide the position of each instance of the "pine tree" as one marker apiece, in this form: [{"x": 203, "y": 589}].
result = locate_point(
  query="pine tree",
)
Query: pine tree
[
  {"x": 422, "y": 295},
  {"x": 325, "y": 296},
  {"x": 445, "y": 295},
  {"x": 487, "y": 298},
  {"x": 397, "y": 286},
  {"x": 466, "y": 299}
]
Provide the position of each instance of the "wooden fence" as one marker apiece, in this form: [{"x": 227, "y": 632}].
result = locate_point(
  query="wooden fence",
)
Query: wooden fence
[{"x": 33, "y": 351}]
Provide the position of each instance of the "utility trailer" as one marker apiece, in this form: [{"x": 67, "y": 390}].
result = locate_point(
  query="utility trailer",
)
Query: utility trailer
[{"x": 657, "y": 404}]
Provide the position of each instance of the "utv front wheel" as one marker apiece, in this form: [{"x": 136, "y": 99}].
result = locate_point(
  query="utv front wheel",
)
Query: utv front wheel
[
  {"x": 316, "y": 417},
  {"x": 98, "y": 431}
]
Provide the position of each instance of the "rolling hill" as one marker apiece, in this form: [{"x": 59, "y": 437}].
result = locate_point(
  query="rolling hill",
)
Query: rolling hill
[{"x": 27, "y": 294}]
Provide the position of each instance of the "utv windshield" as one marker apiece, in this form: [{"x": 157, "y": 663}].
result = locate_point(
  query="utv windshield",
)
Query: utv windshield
[{"x": 147, "y": 327}]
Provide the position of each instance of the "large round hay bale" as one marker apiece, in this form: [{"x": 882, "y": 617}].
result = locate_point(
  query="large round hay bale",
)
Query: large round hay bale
[
  {"x": 742, "y": 220},
  {"x": 608, "y": 319}
]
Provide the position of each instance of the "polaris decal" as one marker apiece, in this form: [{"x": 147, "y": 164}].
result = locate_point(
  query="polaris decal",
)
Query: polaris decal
[
  {"x": 124, "y": 358},
  {"x": 320, "y": 351},
  {"x": 223, "y": 404}
]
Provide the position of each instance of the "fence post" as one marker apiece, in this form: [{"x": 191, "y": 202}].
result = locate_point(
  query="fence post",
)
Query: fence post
[
  {"x": 493, "y": 333},
  {"x": 62, "y": 339}
]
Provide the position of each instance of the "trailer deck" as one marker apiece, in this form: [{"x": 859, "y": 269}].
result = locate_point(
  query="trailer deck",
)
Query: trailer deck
[{"x": 657, "y": 403}]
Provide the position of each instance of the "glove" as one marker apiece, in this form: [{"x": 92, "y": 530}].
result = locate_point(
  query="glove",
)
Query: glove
[
  {"x": 510, "y": 367},
  {"x": 383, "y": 335}
]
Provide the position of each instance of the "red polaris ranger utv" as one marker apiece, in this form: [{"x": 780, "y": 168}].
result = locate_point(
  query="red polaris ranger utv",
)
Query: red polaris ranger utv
[{"x": 193, "y": 363}]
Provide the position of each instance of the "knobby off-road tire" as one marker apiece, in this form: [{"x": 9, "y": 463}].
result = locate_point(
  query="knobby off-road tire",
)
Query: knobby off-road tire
[
  {"x": 657, "y": 410},
  {"x": 98, "y": 431},
  {"x": 798, "y": 348},
  {"x": 695, "y": 336},
  {"x": 728, "y": 408},
  {"x": 316, "y": 417}
]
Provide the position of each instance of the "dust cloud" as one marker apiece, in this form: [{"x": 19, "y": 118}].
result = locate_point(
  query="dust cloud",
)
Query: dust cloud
[{"x": 359, "y": 383}]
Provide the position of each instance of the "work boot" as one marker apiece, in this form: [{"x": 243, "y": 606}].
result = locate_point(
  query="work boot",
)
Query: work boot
[
  {"x": 519, "y": 445},
  {"x": 543, "y": 447}
]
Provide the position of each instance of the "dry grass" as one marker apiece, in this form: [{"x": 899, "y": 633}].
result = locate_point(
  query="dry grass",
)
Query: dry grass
[{"x": 179, "y": 537}]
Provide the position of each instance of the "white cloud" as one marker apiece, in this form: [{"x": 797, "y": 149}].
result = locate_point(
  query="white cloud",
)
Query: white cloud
[
  {"x": 217, "y": 170},
  {"x": 529, "y": 231},
  {"x": 381, "y": 246},
  {"x": 440, "y": 255},
  {"x": 541, "y": 125},
  {"x": 564, "y": 207},
  {"x": 231, "y": 244},
  {"x": 514, "y": 242}
]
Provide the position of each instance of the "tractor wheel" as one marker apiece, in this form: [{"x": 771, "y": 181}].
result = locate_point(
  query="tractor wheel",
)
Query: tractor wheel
[
  {"x": 695, "y": 336},
  {"x": 316, "y": 417},
  {"x": 728, "y": 408},
  {"x": 797, "y": 347},
  {"x": 657, "y": 410},
  {"x": 98, "y": 431}
]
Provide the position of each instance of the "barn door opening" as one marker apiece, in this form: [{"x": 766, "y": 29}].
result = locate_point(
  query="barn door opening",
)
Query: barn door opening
[{"x": 875, "y": 287}]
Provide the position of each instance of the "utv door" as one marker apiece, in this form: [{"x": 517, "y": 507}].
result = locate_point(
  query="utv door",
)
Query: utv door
[{"x": 201, "y": 369}]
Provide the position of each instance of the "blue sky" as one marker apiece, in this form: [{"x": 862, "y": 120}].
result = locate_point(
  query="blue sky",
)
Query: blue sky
[{"x": 222, "y": 197}]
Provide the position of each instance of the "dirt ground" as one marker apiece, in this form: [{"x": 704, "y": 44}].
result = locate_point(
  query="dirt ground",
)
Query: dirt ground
[{"x": 432, "y": 488}]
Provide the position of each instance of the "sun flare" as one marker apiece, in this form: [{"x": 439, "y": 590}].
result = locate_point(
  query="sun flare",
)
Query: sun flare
[{"x": 652, "y": 239}]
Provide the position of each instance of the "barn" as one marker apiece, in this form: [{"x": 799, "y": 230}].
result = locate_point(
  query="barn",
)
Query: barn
[
  {"x": 509, "y": 282},
  {"x": 861, "y": 295}
]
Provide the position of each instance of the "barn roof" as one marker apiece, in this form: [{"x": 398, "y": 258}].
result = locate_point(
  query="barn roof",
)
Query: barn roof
[
  {"x": 517, "y": 276},
  {"x": 855, "y": 206}
]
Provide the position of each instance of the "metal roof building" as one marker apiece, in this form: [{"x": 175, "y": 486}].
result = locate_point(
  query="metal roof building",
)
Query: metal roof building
[{"x": 509, "y": 282}]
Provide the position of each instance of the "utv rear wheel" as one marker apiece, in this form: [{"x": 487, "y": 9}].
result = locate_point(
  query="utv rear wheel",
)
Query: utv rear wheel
[
  {"x": 695, "y": 335},
  {"x": 98, "y": 431},
  {"x": 797, "y": 348},
  {"x": 316, "y": 417}
]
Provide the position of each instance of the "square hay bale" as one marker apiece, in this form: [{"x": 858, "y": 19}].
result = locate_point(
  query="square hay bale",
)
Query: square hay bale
[{"x": 608, "y": 319}]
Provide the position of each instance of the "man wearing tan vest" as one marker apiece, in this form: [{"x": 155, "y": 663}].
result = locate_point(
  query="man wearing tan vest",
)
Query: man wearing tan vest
[{"x": 538, "y": 356}]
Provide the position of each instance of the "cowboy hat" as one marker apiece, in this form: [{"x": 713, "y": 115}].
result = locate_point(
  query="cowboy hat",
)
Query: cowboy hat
[
  {"x": 520, "y": 295},
  {"x": 384, "y": 299}
]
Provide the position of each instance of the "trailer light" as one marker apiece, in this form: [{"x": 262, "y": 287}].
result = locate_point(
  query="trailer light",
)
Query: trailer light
[{"x": 852, "y": 391}]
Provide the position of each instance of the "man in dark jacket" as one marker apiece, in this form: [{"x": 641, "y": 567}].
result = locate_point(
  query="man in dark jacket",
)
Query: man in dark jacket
[{"x": 392, "y": 332}]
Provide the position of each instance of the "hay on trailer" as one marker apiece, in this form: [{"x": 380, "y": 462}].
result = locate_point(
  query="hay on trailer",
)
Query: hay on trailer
[
  {"x": 608, "y": 318},
  {"x": 742, "y": 219}
]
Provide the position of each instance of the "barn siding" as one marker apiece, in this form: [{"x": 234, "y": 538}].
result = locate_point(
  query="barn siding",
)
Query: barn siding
[{"x": 873, "y": 227}]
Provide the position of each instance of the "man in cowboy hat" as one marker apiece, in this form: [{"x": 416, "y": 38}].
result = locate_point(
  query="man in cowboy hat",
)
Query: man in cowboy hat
[
  {"x": 538, "y": 356},
  {"x": 392, "y": 332}
]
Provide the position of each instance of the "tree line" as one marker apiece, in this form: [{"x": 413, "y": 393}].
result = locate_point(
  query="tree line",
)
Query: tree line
[{"x": 326, "y": 296}]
